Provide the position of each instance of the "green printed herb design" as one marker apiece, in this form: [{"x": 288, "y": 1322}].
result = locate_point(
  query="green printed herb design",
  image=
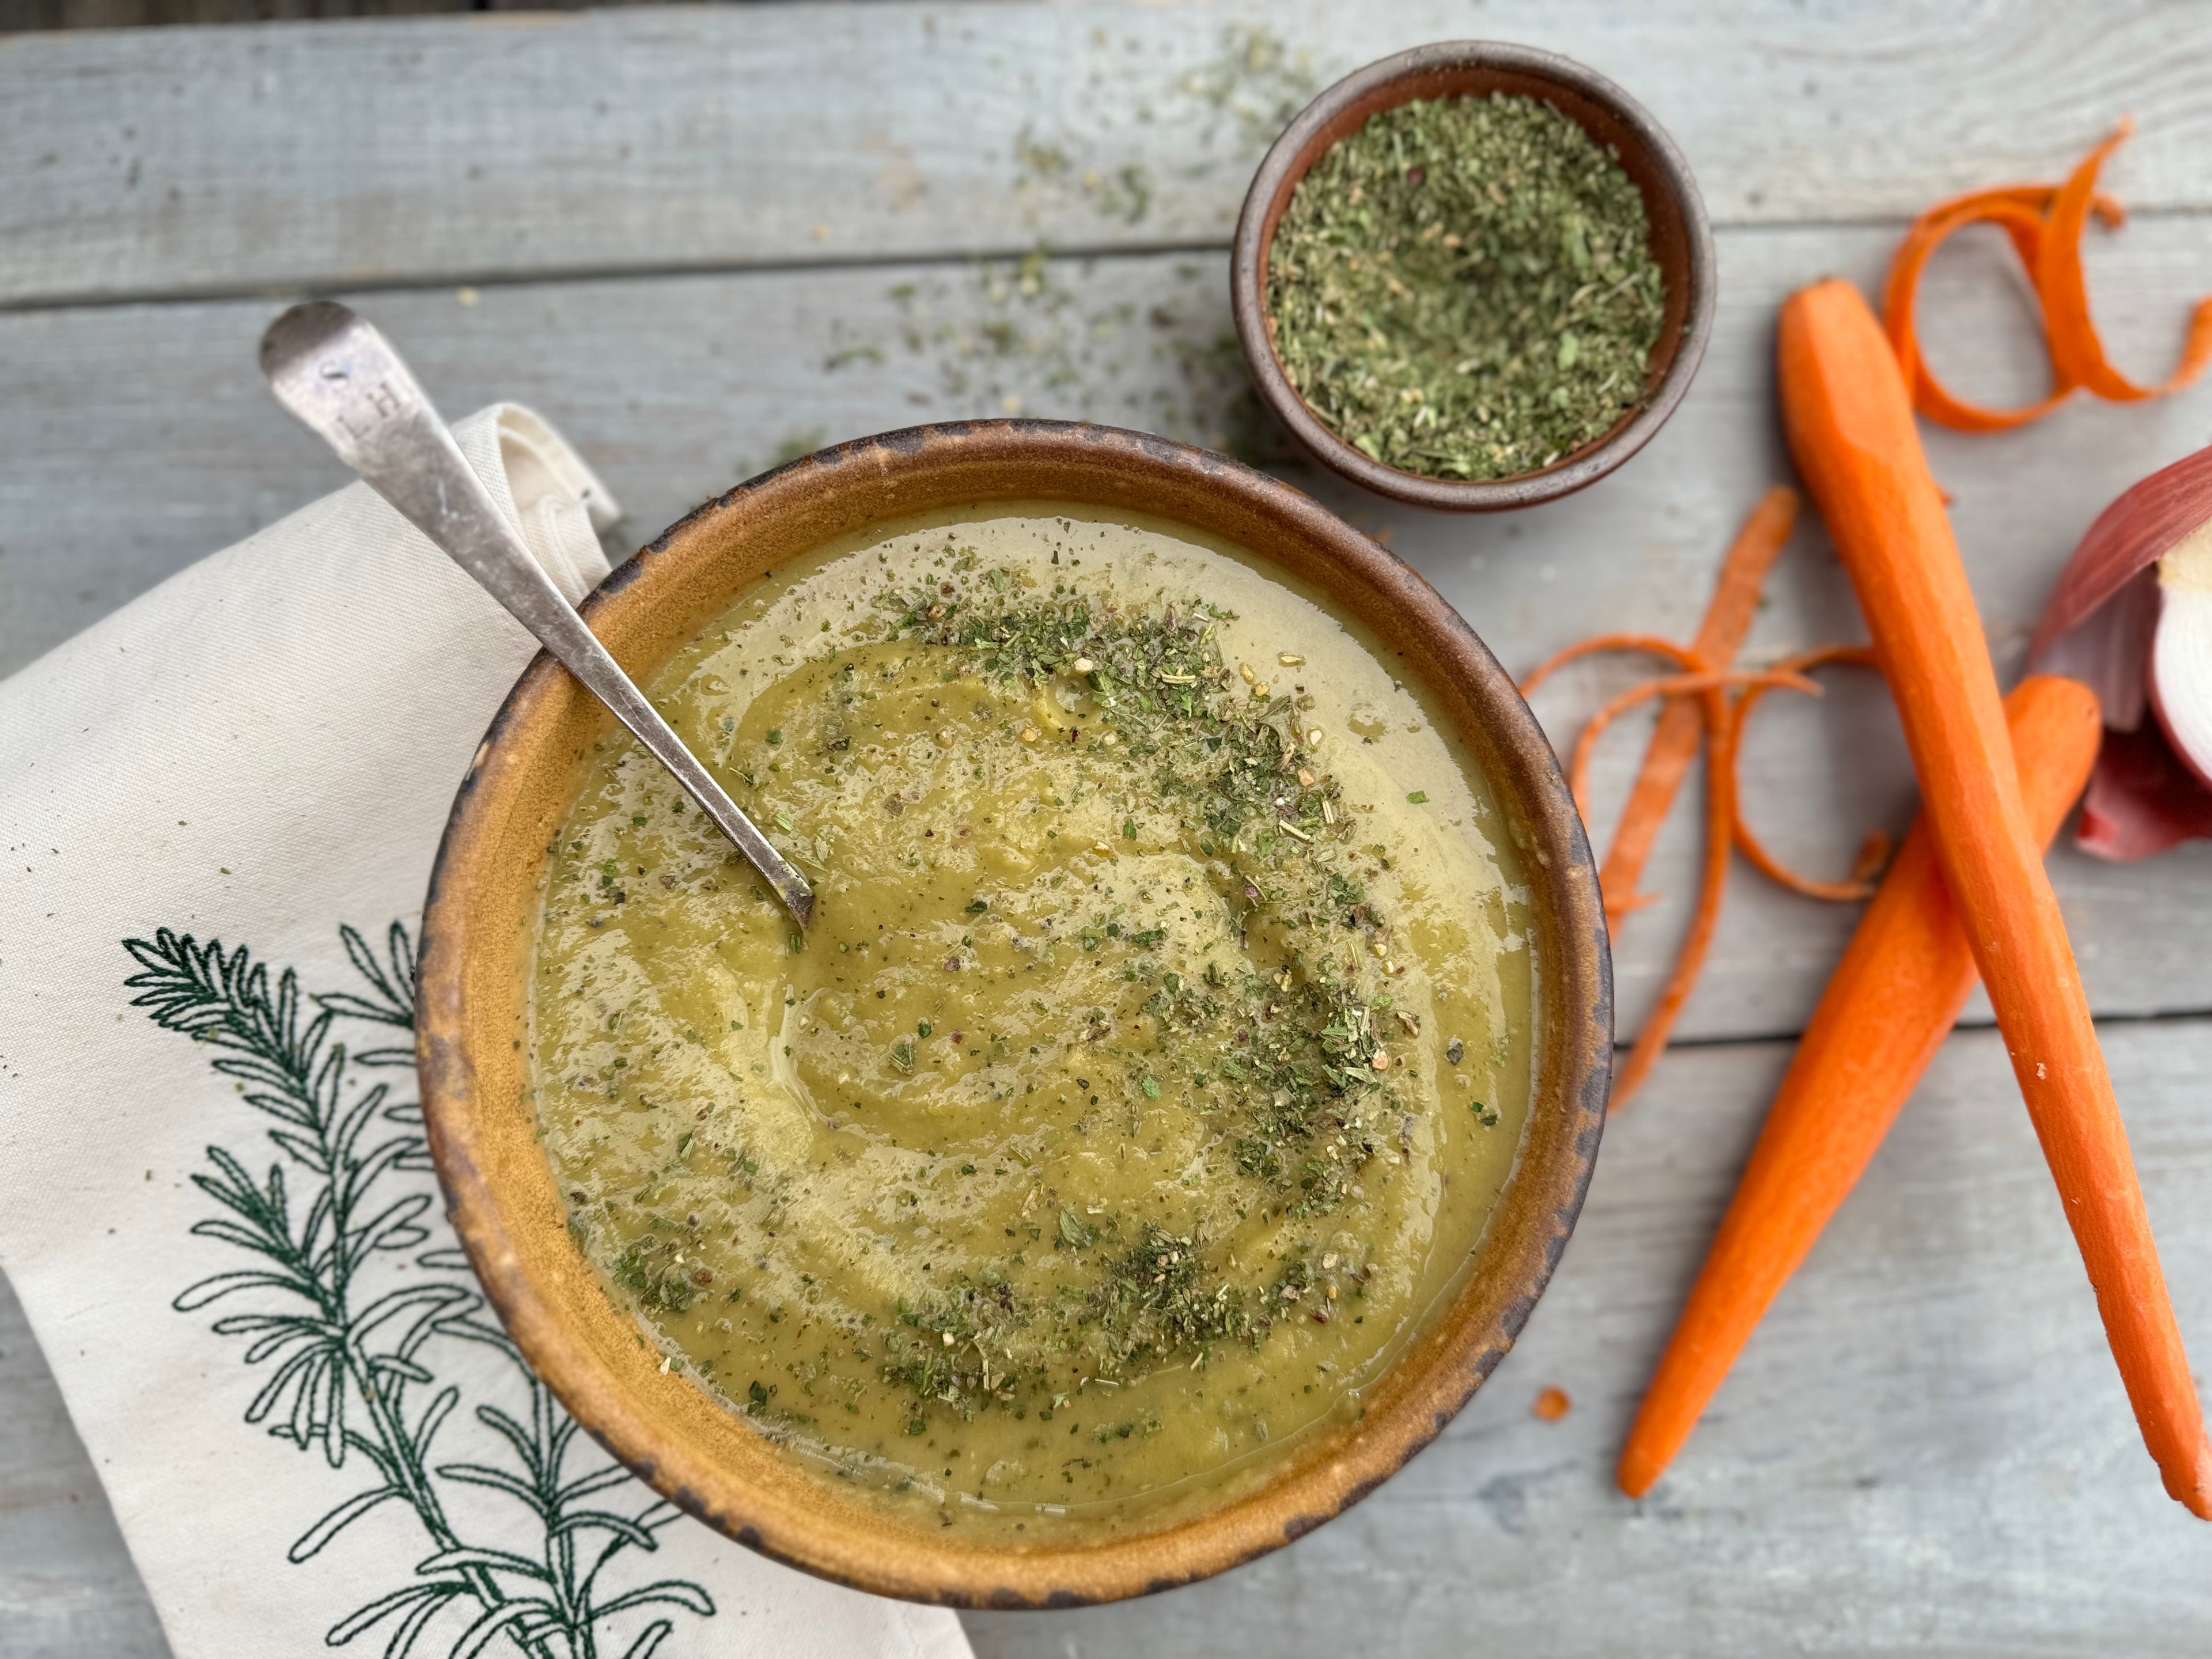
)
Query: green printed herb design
[{"x": 353, "y": 1350}]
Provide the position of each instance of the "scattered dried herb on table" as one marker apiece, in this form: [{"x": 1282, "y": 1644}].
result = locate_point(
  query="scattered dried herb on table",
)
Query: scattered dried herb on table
[{"x": 1464, "y": 288}]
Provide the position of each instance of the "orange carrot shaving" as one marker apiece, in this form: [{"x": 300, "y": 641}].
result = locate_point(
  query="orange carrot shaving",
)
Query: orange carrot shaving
[
  {"x": 1861, "y": 885},
  {"x": 1675, "y": 737},
  {"x": 1704, "y": 920},
  {"x": 1703, "y": 692},
  {"x": 1720, "y": 812},
  {"x": 2045, "y": 223},
  {"x": 2076, "y": 353},
  {"x": 1930, "y": 396},
  {"x": 1696, "y": 712},
  {"x": 1670, "y": 686},
  {"x": 1650, "y": 644}
]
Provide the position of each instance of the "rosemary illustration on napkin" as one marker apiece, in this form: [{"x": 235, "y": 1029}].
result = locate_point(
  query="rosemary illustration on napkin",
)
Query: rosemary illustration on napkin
[{"x": 354, "y": 1347}]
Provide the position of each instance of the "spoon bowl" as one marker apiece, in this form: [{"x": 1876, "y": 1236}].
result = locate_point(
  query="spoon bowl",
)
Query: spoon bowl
[{"x": 347, "y": 385}]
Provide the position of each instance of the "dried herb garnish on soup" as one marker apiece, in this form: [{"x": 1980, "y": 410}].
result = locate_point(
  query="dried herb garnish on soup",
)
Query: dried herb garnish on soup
[
  {"x": 1465, "y": 288},
  {"x": 1146, "y": 1079}
]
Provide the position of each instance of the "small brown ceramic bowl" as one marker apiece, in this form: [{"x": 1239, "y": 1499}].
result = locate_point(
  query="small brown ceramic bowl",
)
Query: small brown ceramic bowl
[
  {"x": 1681, "y": 240},
  {"x": 472, "y": 1014}
]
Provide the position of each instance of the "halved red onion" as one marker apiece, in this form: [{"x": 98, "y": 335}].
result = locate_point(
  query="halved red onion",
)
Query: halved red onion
[
  {"x": 2181, "y": 651},
  {"x": 2131, "y": 617}
]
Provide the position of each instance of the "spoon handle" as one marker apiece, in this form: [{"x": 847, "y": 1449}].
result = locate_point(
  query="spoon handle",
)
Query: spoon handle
[{"x": 342, "y": 378}]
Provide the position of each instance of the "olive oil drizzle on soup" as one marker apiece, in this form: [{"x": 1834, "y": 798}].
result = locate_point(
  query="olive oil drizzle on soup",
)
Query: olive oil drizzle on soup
[{"x": 1157, "y": 1054}]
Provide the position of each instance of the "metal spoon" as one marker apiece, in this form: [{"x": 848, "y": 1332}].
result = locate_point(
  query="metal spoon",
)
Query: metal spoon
[{"x": 344, "y": 379}]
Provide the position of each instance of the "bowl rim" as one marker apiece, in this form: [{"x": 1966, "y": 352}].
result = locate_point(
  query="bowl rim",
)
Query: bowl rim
[
  {"x": 484, "y": 901},
  {"x": 1308, "y": 137}
]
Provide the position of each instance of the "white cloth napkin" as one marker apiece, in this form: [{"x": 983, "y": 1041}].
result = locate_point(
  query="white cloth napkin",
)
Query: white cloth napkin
[{"x": 218, "y": 809}]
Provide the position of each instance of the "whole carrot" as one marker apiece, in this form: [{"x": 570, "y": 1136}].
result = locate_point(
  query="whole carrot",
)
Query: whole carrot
[
  {"x": 1849, "y": 424},
  {"x": 1681, "y": 724},
  {"x": 1895, "y": 995}
]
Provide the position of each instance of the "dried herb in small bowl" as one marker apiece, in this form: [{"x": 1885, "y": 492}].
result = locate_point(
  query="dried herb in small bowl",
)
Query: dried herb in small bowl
[{"x": 1465, "y": 288}]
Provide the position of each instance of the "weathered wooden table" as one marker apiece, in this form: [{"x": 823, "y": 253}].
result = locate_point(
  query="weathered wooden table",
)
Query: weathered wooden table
[{"x": 701, "y": 239}]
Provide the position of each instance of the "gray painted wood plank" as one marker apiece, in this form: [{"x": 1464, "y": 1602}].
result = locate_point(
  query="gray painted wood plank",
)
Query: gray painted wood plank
[
  {"x": 1924, "y": 1450},
  {"x": 238, "y": 161},
  {"x": 140, "y": 438},
  {"x": 67, "y": 1587}
]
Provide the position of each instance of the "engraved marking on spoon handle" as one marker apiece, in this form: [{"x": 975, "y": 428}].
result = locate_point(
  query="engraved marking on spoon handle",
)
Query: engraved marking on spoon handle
[{"x": 342, "y": 378}]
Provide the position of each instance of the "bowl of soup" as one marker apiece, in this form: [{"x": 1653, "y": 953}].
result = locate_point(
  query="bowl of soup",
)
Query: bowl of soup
[{"x": 1184, "y": 1088}]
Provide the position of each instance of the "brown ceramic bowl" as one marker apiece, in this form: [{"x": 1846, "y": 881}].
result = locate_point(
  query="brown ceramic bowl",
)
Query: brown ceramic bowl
[
  {"x": 1681, "y": 240},
  {"x": 480, "y": 922}
]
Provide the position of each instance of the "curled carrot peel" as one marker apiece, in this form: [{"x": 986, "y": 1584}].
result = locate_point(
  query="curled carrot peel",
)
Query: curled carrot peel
[
  {"x": 1709, "y": 688},
  {"x": 2019, "y": 211},
  {"x": 1690, "y": 960},
  {"x": 2076, "y": 352},
  {"x": 1704, "y": 691},
  {"x": 1859, "y": 886},
  {"x": 1929, "y": 395},
  {"x": 2045, "y": 223},
  {"x": 1651, "y": 645},
  {"x": 1669, "y": 685},
  {"x": 1697, "y": 715},
  {"x": 1680, "y": 729}
]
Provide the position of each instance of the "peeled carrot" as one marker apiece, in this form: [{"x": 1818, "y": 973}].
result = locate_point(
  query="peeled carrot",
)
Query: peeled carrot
[
  {"x": 1675, "y": 736},
  {"x": 1850, "y": 422},
  {"x": 1895, "y": 996}
]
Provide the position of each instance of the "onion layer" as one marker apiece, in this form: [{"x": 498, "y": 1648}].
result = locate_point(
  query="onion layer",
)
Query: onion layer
[
  {"x": 2181, "y": 652},
  {"x": 2131, "y": 617}
]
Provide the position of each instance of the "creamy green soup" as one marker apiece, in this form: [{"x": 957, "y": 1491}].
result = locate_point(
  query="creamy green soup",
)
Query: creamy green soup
[{"x": 1154, "y": 1060}]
